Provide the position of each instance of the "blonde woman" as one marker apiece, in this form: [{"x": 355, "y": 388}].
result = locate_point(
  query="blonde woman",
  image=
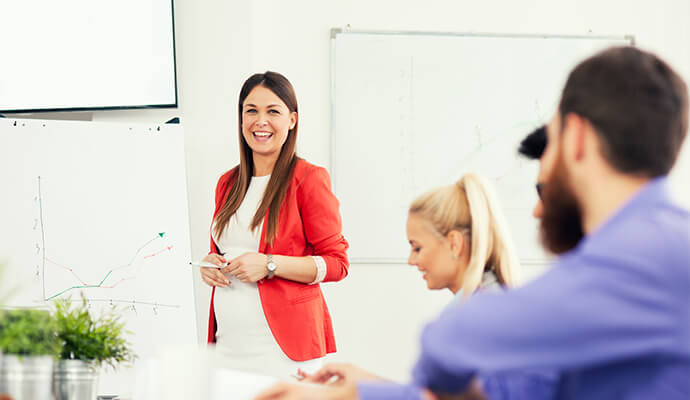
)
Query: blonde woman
[{"x": 459, "y": 241}]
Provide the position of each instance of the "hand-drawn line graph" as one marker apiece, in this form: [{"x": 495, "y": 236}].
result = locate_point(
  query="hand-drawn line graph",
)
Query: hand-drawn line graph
[
  {"x": 134, "y": 265},
  {"x": 84, "y": 285}
]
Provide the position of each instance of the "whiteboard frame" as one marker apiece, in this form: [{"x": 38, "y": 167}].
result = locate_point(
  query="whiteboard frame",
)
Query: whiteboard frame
[{"x": 335, "y": 32}]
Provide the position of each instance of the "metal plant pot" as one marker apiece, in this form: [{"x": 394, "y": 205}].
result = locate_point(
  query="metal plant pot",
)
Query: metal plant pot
[
  {"x": 75, "y": 380},
  {"x": 27, "y": 378}
]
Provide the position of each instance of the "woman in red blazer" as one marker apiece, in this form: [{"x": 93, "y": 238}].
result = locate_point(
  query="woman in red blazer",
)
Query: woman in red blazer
[{"x": 276, "y": 234}]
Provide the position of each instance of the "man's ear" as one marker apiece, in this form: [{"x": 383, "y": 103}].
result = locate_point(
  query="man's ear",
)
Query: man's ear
[{"x": 574, "y": 135}]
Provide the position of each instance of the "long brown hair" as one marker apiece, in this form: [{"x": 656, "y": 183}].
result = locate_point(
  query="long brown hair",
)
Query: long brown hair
[{"x": 282, "y": 171}]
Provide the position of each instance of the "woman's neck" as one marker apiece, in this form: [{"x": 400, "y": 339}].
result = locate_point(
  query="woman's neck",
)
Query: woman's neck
[
  {"x": 461, "y": 266},
  {"x": 263, "y": 165}
]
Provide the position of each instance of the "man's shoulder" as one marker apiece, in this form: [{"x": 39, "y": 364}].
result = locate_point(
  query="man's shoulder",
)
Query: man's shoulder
[
  {"x": 659, "y": 231},
  {"x": 648, "y": 249}
]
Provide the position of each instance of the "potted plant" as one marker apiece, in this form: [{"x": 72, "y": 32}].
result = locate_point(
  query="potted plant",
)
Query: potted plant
[
  {"x": 88, "y": 343},
  {"x": 29, "y": 343}
]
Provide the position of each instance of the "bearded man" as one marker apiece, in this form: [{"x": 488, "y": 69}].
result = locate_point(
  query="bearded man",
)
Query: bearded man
[{"x": 612, "y": 317}]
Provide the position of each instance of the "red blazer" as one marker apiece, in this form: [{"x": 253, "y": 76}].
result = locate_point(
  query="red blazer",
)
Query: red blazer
[{"x": 309, "y": 224}]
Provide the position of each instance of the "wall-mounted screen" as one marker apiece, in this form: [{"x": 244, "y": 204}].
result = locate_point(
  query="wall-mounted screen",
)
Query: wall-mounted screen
[{"x": 87, "y": 55}]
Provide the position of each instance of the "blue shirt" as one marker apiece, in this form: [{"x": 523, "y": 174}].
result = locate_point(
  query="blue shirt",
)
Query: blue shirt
[{"x": 612, "y": 317}]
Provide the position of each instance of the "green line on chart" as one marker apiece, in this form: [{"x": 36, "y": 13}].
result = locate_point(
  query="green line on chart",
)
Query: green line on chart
[
  {"x": 158, "y": 236},
  {"x": 72, "y": 288},
  {"x": 106, "y": 277}
]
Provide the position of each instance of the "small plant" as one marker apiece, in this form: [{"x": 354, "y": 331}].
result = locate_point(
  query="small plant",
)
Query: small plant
[
  {"x": 100, "y": 341},
  {"x": 29, "y": 332}
]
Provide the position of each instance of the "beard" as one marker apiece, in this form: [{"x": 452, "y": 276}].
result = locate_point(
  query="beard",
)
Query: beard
[{"x": 560, "y": 228}]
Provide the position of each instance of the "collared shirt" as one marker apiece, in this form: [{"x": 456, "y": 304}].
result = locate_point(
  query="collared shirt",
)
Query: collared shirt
[
  {"x": 612, "y": 316},
  {"x": 489, "y": 283}
]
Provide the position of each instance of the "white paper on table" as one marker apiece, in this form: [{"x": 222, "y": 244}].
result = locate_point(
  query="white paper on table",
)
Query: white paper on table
[{"x": 239, "y": 385}]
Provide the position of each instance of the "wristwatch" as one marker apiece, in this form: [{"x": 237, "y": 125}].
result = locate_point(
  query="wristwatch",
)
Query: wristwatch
[{"x": 271, "y": 267}]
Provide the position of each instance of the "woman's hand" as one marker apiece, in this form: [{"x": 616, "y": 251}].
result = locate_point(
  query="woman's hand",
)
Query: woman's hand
[
  {"x": 213, "y": 276},
  {"x": 339, "y": 374},
  {"x": 288, "y": 391},
  {"x": 249, "y": 267}
]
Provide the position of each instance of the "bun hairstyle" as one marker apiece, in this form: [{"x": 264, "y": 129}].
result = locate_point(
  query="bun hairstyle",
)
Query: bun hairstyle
[{"x": 471, "y": 207}]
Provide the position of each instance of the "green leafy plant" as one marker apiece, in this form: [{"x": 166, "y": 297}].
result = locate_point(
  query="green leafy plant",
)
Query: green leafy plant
[
  {"x": 98, "y": 340},
  {"x": 29, "y": 332}
]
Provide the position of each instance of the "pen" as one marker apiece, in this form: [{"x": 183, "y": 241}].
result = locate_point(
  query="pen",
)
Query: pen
[
  {"x": 206, "y": 264},
  {"x": 297, "y": 377}
]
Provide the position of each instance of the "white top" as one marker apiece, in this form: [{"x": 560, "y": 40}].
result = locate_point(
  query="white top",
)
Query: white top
[{"x": 243, "y": 336}]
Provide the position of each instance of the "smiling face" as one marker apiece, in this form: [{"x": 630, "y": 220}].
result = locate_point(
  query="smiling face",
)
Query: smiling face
[
  {"x": 266, "y": 121},
  {"x": 433, "y": 256}
]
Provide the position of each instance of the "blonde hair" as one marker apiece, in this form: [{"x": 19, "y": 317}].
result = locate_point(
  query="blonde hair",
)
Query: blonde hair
[{"x": 470, "y": 206}]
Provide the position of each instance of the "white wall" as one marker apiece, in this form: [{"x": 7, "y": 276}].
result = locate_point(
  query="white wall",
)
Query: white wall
[{"x": 378, "y": 310}]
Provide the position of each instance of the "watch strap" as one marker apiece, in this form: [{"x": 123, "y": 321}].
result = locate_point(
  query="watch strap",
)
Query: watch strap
[{"x": 269, "y": 262}]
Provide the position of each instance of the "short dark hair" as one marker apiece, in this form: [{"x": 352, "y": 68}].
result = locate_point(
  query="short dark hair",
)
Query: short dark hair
[
  {"x": 637, "y": 105},
  {"x": 533, "y": 145}
]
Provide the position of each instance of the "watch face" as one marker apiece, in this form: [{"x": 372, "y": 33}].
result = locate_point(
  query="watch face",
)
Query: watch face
[{"x": 271, "y": 266}]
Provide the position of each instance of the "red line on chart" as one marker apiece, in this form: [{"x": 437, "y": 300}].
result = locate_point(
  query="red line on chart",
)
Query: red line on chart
[
  {"x": 136, "y": 255},
  {"x": 158, "y": 252},
  {"x": 68, "y": 269},
  {"x": 117, "y": 283},
  {"x": 100, "y": 285},
  {"x": 92, "y": 285}
]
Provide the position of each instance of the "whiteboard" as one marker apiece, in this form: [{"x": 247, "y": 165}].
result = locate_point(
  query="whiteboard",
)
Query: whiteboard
[
  {"x": 412, "y": 111},
  {"x": 99, "y": 209}
]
